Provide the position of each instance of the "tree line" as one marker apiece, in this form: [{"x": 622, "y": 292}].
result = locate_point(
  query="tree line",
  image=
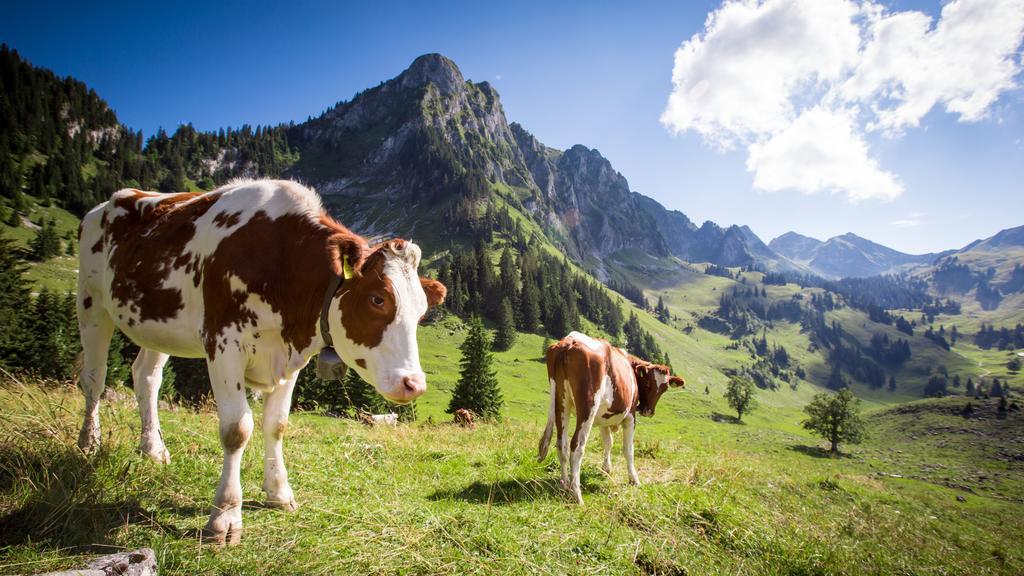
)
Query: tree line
[{"x": 61, "y": 143}]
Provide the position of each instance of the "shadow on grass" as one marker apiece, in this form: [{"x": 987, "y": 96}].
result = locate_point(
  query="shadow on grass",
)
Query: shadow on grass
[
  {"x": 818, "y": 451},
  {"x": 516, "y": 490},
  {"x": 727, "y": 418},
  {"x": 67, "y": 506}
]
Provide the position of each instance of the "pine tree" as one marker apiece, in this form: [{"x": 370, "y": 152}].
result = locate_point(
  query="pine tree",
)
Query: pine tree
[
  {"x": 507, "y": 276},
  {"x": 506, "y": 335},
  {"x": 661, "y": 311},
  {"x": 970, "y": 391},
  {"x": 14, "y": 301},
  {"x": 119, "y": 368},
  {"x": 544, "y": 348},
  {"x": 477, "y": 389},
  {"x": 997, "y": 388},
  {"x": 52, "y": 336},
  {"x": 46, "y": 243},
  {"x": 529, "y": 308}
]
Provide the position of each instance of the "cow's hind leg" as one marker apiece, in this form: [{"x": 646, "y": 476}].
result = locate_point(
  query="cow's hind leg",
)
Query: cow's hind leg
[
  {"x": 628, "y": 426},
  {"x": 95, "y": 329},
  {"x": 227, "y": 376},
  {"x": 275, "y": 422},
  {"x": 584, "y": 424},
  {"x": 564, "y": 400},
  {"x": 147, "y": 373},
  {"x": 606, "y": 440}
]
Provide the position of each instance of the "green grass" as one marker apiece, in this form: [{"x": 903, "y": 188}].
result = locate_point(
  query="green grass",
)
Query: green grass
[{"x": 753, "y": 498}]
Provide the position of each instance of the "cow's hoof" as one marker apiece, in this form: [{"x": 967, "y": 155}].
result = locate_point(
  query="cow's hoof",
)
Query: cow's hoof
[
  {"x": 159, "y": 455},
  {"x": 634, "y": 482},
  {"x": 218, "y": 534},
  {"x": 89, "y": 439},
  {"x": 287, "y": 505}
]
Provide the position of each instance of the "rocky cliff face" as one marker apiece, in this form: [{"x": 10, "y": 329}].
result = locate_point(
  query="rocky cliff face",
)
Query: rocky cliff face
[{"x": 408, "y": 139}]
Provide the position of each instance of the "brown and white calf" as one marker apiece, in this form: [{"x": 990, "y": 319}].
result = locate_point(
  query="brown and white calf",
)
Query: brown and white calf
[
  {"x": 239, "y": 276},
  {"x": 608, "y": 388}
]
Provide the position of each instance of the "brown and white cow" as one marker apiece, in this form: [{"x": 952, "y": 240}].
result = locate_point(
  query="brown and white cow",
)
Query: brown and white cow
[
  {"x": 239, "y": 276},
  {"x": 608, "y": 388}
]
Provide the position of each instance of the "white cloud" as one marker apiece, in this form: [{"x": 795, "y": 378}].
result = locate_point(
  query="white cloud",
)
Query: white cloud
[
  {"x": 736, "y": 82},
  {"x": 801, "y": 83},
  {"x": 912, "y": 220},
  {"x": 820, "y": 150}
]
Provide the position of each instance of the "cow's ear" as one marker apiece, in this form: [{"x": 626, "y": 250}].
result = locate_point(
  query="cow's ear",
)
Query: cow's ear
[
  {"x": 346, "y": 251},
  {"x": 434, "y": 290},
  {"x": 676, "y": 382}
]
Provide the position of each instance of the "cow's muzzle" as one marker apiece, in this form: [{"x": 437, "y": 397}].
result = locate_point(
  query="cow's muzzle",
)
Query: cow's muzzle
[{"x": 409, "y": 388}]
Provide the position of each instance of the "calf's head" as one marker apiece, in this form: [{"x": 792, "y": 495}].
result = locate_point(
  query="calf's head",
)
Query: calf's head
[
  {"x": 652, "y": 380},
  {"x": 374, "y": 315}
]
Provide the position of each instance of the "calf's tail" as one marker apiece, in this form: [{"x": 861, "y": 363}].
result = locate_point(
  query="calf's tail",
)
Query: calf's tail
[
  {"x": 545, "y": 440},
  {"x": 555, "y": 360}
]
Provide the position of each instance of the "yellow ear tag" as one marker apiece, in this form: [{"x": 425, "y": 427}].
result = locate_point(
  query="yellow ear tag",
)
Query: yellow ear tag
[{"x": 347, "y": 268}]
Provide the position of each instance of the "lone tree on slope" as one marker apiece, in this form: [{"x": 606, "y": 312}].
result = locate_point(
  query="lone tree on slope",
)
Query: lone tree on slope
[
  {"x": 836, "y": 418},
  {"x": 477, "y": 389},
  {"x": 740, "y": 395}
]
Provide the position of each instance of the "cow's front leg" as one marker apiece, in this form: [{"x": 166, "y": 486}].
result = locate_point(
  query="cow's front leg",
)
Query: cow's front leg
[
  {"x": 275, "y": 422},
  {"x": 606, "y": 439},
  {"x": 628, "y": 427},
  {"x": 227, "y": 374}
]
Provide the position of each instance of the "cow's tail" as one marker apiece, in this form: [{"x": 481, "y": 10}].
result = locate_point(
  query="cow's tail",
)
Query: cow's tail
[{"x": 556, "y": 370}]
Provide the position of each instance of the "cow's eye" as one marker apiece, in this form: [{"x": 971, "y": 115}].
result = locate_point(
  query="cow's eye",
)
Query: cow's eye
[{"x": 377, "y": 301}]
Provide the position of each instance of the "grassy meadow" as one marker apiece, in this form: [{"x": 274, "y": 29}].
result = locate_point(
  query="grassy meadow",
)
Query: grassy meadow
[{"x": 930, "y": 492}]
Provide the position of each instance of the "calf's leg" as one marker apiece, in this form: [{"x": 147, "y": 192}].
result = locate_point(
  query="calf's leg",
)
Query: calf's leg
[
  {"x": 606, "y": 438},
  {"x": 275, "y": 421},
  {"x": 147, "y": 373},
  {"x": 584, "y": 423},
  {"x": 562, "y": 427},
  {"x": 227, "y": 376},
  {"x": 628, "y": 426}
]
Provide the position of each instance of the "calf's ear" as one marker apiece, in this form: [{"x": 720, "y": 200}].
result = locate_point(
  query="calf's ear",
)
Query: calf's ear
[
  {"x": 676, "y": 382},
  {"x": 434, "y": 290}
]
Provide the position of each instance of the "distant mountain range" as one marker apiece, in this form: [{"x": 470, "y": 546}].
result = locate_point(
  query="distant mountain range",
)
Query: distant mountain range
[{"x": 847, "y": 255}]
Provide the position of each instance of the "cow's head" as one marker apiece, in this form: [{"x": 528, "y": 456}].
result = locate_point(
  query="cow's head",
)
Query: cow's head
[
  {"x": 374, "y": 316},
  {"x": 652, "y": 380}
]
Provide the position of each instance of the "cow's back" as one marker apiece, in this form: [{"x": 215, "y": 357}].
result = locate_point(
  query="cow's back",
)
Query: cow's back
[
  {"x": 594, "y": 371},
  {"x": 169, "y": 268}
]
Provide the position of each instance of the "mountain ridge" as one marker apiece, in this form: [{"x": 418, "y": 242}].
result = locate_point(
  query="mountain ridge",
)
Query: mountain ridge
[{"x": 847, "y": 255}]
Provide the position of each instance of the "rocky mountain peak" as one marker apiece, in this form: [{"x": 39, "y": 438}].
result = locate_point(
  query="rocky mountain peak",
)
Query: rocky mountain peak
[{"x": 434, "y": 69}]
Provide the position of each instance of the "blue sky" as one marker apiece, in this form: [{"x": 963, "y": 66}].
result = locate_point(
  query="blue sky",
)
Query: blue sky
[{"x": 598, "y": 74}]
